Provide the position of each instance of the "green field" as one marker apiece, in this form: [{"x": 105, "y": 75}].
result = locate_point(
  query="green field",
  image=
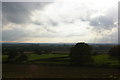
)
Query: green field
[
  {"x": 99, "y": 60},
  {"x": 40, "y": 71},
  {"x": 45, "y": 56},
  {"x": 58, "y": 66},
  {"x": 105, "y": 60}
]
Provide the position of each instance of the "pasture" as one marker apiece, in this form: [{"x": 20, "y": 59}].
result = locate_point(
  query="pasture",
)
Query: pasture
[
  {"x": 58, "y": 66},
  {"x": 63, "y": 59},
  {"x": 40, "y": 71}
]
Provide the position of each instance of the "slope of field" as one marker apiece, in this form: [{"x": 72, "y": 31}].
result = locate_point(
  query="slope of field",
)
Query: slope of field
[
  {"x": 58, "y": 66},
  {"x": 39, "y": 71},
  {"x": 64, "y": 59}
]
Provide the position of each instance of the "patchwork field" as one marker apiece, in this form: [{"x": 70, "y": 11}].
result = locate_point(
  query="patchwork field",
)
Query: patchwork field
[
  {"x": 56, "y": 59},
  {"x": 58, "y": 66}
]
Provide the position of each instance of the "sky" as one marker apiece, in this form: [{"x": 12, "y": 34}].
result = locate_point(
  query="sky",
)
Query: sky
[{"x": 60, "y": 21}]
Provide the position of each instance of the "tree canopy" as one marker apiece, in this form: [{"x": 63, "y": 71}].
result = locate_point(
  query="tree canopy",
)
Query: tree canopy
[
  {"x": 114, "y": 52},
  {"x": 81, "y": 53}
]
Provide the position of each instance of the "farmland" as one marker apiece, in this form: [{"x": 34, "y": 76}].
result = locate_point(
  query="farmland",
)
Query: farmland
[
  {"x": 39, "y": 71},
  {"x": 54, "y": 65},
  {"x": 63, "y": 59},
  {"x": 57, "y": 66}
]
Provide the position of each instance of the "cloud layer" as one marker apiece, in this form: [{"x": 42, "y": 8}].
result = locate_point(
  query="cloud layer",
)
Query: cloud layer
[
  {"x": 19, "y": 12},
  {"x": 60, "y": 21}
]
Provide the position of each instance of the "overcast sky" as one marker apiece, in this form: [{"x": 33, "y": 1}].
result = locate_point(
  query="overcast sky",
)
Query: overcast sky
[{"x": 65, "y": 21}]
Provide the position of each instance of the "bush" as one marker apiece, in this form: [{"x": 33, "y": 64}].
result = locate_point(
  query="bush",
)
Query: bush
[
  {"x": 12, "y": 53},
  {"x": 22, "y": 58},
  {"x": 114, "y": 52},
  {"x": 81, "y": 54}
]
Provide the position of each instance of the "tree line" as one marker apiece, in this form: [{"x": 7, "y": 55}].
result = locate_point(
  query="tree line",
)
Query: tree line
[{"x": 80, "y": 54}]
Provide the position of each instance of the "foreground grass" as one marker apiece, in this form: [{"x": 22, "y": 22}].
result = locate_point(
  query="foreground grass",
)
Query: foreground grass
[
  {"x": 39, "y": 71},
  {"x": 4, "y": 57},
  {"x": 36, "y": 70}
]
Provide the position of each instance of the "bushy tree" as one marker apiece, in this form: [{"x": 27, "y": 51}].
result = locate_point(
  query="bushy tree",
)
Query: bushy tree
[
  {"x": 22, "y": 58},
  {"x": 37, "y": 51},
  {"x": 81, "y": 54},
  {"x": 12, "y": 53},
  {"x": 114, "y": 52},
  {"x": 95, "y": 53}
]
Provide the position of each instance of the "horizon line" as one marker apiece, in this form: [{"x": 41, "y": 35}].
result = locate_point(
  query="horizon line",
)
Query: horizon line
[{"x": 57, "y": 42}]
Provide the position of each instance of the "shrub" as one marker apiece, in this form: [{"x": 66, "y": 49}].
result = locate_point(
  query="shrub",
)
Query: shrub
[{"x": 81, "y": 54}]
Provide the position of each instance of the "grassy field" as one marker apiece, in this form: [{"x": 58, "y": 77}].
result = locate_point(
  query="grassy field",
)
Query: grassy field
[
  {"x": 105, "y": 60},
  {"x": 39, "y": 71},
  {"x": 57, "y": 66},
  {"x": 99, "y": 60},
  {"x": 45, "y": 56}
]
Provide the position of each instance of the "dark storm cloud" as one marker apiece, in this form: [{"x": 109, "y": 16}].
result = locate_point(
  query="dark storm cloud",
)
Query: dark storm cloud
[
  {"x": 19, "y": 12},
  {"x": 103, "y": 22}
]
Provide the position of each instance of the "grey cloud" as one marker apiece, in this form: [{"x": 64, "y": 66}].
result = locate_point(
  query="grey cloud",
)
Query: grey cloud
[
  {"x": 19, "y": 12},
  {"x": 119, "y": 22},
  {"x": 111, "y": 38},
  {"x": 44, "y": 36},
  {"x": 53, "y": 23},
  {"x": 50, "y": 30},
  {"x": 0, "y": 21},
  {"x": 75, "y": 35},
  {"x": 119, "y": 11},
  {"x": 20, "y": 33},
  {"x": 12, "y": 35},
  {"x": 49, "y": 23},
  {"x": 37, "y": 23},
  {"x": 103, "y": 22},
  {"x": 0, "y": 13}
]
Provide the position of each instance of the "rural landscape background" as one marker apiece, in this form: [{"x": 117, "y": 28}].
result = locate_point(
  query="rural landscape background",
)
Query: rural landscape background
[
  {"x": 45, "y": 60},
  {"x": 60, "y": 39}
]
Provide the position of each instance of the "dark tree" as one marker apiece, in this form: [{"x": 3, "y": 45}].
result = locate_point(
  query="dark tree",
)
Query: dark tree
[
  {"x": 81, "y": 54},
  {"x": 37, "y": 51},
  {"x": 114, "y": 52},
  {"x": 22, "y": 58},
  {"x": 95, "y": 53},
  {"x": 47, "y": 51},
  {"x": 12, "y": 53}
]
